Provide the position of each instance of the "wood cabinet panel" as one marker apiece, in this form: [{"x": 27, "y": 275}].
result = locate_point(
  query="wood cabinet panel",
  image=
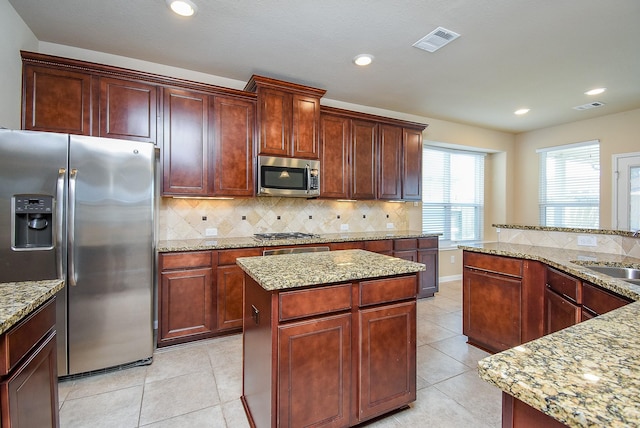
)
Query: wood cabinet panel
[
  {"x": 560, "y": 312},
  {"x": 428, "y": 279},
  {"x": 186, "y": 305},
  {"x": 565, "y": 285},
  {"x": 229, "y": 285},
  {"x": 128, "y": 110},
  {"x": 274, "y": 117},
  {"x": 497, "y": 264},
  {"x": 389, "y": 163},
  {"x": 363, "y": 159},
  {"x": 233, "y": 131},
  {"x": 314, "y": 372},
  {"x": 598, "y": 301},
  {"x": 186, "y": 260},
  {"x": 412, "y": 165},
  {"x": 387, "y": 290},
  {"x": 387, "y": 377},
  {"x": 56, "y": 100},
  {"x": 186, "y": 156},
  {"x": 405, "y": 244},
  {"x": 382, "y": 246},
  {"x": 335, "y": 141},
  {"x": 305, "y": 126},
  {"x": 352, "y": 245},
  {"x": 314, "y": 301},
  {"x": 491, "y": 310}
]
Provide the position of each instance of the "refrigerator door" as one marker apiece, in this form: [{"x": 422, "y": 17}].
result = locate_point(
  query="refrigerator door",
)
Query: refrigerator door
[
  {"x": 111, "y": 247},
  {"x": 31, "y": 163}
]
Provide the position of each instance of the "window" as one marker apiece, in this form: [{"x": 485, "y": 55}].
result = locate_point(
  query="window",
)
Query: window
[
  {"x": 452, "y": 193},
  {"x": 570, "y": 185}
]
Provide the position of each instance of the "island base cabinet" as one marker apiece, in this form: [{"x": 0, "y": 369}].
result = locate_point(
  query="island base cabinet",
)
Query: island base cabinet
[
  {"x": 314, "y": 372},
  {"x": 516, "y": 414},
  {"x": 388, "y": 359}
]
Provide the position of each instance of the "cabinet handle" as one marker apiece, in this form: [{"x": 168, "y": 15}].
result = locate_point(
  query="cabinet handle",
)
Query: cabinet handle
[{"x": 255, "y": 315}]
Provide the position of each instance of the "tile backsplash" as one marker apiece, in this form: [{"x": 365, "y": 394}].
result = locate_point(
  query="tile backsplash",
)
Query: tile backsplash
[{"x": 190, "y": 218}]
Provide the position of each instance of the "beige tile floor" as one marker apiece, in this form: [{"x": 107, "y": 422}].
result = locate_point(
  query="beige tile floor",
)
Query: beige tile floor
[{"x": 199, "y": 384}]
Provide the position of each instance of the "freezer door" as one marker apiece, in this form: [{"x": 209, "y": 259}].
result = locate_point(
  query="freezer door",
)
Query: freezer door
[
  {"x": 111, "y": 247},
  {"x": 31, "y": 163}
]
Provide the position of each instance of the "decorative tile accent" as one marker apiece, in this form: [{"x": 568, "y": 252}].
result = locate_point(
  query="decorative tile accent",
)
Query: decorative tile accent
[{"x": 182, "y": 218}]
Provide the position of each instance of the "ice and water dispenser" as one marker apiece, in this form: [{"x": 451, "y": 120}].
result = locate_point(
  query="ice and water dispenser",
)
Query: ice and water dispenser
[{"x": 32, "y": 217}]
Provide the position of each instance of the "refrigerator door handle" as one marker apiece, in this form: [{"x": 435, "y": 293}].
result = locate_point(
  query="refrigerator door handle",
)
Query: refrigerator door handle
[
  {"x": 59, "y": 220},
  {"x": 71, "y": 226}
]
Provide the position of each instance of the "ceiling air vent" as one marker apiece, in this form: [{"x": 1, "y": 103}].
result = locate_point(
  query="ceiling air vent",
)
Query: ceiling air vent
[
  {"x": 436, "y": 39},
  {"x": 587, "y": 106}
]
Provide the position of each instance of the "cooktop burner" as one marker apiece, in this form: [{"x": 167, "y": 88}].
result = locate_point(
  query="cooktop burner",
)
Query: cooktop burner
[{"x": 283, "y": 235}]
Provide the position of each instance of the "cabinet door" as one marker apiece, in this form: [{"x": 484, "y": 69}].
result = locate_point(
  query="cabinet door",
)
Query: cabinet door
[
  {"x": 274, "y": 117},
  {"x": 363, "y": 159},
  {"x": 29, "y": 396},
  {"x": 186, "y": 155},
  {"x": 559, "y": 312},
  {"x": 229, "y": 296},
  {"x": 412, "y": 165},
  {"x": 186, "y": 304},
  {"x": 56, "y": 100},
  {"x": 491, "y": 310},
  {"x": 387, "y": 378},
  {"x": 389, "y": 183},
  {"x": 314, "y": 372},
  {"x": 305, "y": 126},
  {"x": 428, "y": 279},
  {"x": 334, "y": 163},
  {"x": 411, "y": 255},
  {"x": 128, "y": 110},
  {"x": 232, "y": 140}
]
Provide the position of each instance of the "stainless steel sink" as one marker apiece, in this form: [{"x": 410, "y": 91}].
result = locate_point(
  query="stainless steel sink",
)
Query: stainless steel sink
[{"x": 618, "y": 272}]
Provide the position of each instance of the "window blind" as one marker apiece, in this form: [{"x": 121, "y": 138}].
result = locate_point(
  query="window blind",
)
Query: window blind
[
  {"x": 452, "y": 193},
  {"x": 569, "y": 193}
]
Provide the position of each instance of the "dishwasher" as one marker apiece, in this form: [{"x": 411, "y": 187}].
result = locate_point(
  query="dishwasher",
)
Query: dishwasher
[{"x": 294, "y": 250}]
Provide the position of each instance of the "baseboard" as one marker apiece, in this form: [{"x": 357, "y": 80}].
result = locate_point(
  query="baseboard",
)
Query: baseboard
[{"x": 450, "y": 278}]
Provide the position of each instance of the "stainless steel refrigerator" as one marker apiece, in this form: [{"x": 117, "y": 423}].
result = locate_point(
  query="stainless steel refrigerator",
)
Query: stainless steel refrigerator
[{"x": 82, "y": 208}]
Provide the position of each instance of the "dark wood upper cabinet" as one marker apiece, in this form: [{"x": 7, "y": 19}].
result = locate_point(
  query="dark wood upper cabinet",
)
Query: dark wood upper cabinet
[
  {"x": 390, "y": 153},
  {"x": 128, "y": 110},
  {"x": 56, "y": 100},
  {"x": 412, "y": 165},
  {"x": 335, "y": 142},
  {"x": 363, "y": 159},
  {"x": 186, "y": 150},
  {"x": 288, "y": 118}
]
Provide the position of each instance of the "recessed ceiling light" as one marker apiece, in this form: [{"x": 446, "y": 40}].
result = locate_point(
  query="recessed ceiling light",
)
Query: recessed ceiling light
[
  {"x": 363, "y": 59},
  {"x": 521, "y": 111},
  {"x": 182, "y": 7},
  {"x": 595, "y": 91}
]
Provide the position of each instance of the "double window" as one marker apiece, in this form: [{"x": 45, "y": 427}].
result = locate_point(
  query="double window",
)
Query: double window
[
  {"x": 452, "y": 194},
  {"x": 570, "y": 185}
]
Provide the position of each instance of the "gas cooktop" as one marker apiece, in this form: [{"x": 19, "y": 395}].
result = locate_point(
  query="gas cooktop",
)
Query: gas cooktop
[{"x": 283, "y": 235}]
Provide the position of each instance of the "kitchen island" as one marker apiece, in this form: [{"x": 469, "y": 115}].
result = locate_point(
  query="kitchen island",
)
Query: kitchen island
[
  {"x": 329, "y": 338},
  {"x": 585, "y": 375},
  {"x": 28, "y": 370}
]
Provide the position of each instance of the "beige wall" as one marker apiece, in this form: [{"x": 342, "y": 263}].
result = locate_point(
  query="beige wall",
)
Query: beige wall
[
  {"x": 618, "y": 133},
  {"x": 14, "y": 36}
]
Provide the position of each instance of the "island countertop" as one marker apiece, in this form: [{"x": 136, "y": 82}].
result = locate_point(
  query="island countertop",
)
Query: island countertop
[
  {"x": 586, "y": 375},
  {"x": 19, "y": 299},
  {"x": 306, "y": 269}
]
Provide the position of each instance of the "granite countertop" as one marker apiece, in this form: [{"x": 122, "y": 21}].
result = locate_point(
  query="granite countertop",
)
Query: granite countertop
[
  {"x": 19, "y": 299},
  {"x": 567, "y": 229},
  {"x": 586, "y": 375},
  {"x": 250, "y": 242},
  {"x": 304, "y": 269}
]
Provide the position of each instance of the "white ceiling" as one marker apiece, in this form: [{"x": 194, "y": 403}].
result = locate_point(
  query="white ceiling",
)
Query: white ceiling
[{"x": 541, "y": 54}]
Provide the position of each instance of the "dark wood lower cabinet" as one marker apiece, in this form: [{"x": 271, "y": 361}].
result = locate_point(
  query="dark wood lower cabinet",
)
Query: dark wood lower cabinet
[
  {"x": 329, "y": 356},
  {"x": 29, "y": 374},
  {"x": 516, "y": 414},
  {"x": 559, "y": 312}
]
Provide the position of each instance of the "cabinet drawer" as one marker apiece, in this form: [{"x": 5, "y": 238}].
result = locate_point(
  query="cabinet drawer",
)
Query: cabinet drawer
[
  {"x": 228, "y": 257},
  {"x": 23, "y": 337},
  {"x": 353, "y": 245},
  {"x": 599, "y": 301},
  {"x": 388, "y": 290},
  {"x": 185, "y": 260},
  {"x": 564, "y": 284},
  {"x": 427, "y": 242},
  {"x": 496, "y": 264},
  {"x": 379, "y": 246},
  {"x": 405, "y": 244},
  {"x": 314, "y": 301}
]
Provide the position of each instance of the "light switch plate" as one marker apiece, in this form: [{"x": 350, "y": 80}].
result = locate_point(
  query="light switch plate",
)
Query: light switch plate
[
  {"x": 344, "y": 227},
  {"x": 389, "y": 225},
  {"x": 587, "y": 240},
  {"x": 211, "y": 231}
]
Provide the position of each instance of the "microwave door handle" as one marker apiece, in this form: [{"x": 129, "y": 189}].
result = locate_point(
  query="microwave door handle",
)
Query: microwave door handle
[
  {"x": 71, "y": 234},
  {"x": 308, "y": 170},
  {"x": 59, "y": 220}
]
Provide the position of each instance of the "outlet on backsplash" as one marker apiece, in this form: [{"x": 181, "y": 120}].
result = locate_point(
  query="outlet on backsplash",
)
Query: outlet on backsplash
[
  {"x": 587, "y": 240},
  {"x": 344, "y": 227}
]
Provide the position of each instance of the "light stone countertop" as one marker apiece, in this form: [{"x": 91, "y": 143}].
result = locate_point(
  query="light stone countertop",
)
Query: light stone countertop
[
  {"x": 587, "y": 375},
  {"x": 19, "y": 299},
  {"x": 214, "y": 243},
  {"x": 288, "y": 271},
  {"x": 566, "y": 229}
]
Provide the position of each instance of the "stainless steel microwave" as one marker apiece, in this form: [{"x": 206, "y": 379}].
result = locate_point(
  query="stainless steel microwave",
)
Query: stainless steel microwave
[{"x": 298, "y": 178}]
